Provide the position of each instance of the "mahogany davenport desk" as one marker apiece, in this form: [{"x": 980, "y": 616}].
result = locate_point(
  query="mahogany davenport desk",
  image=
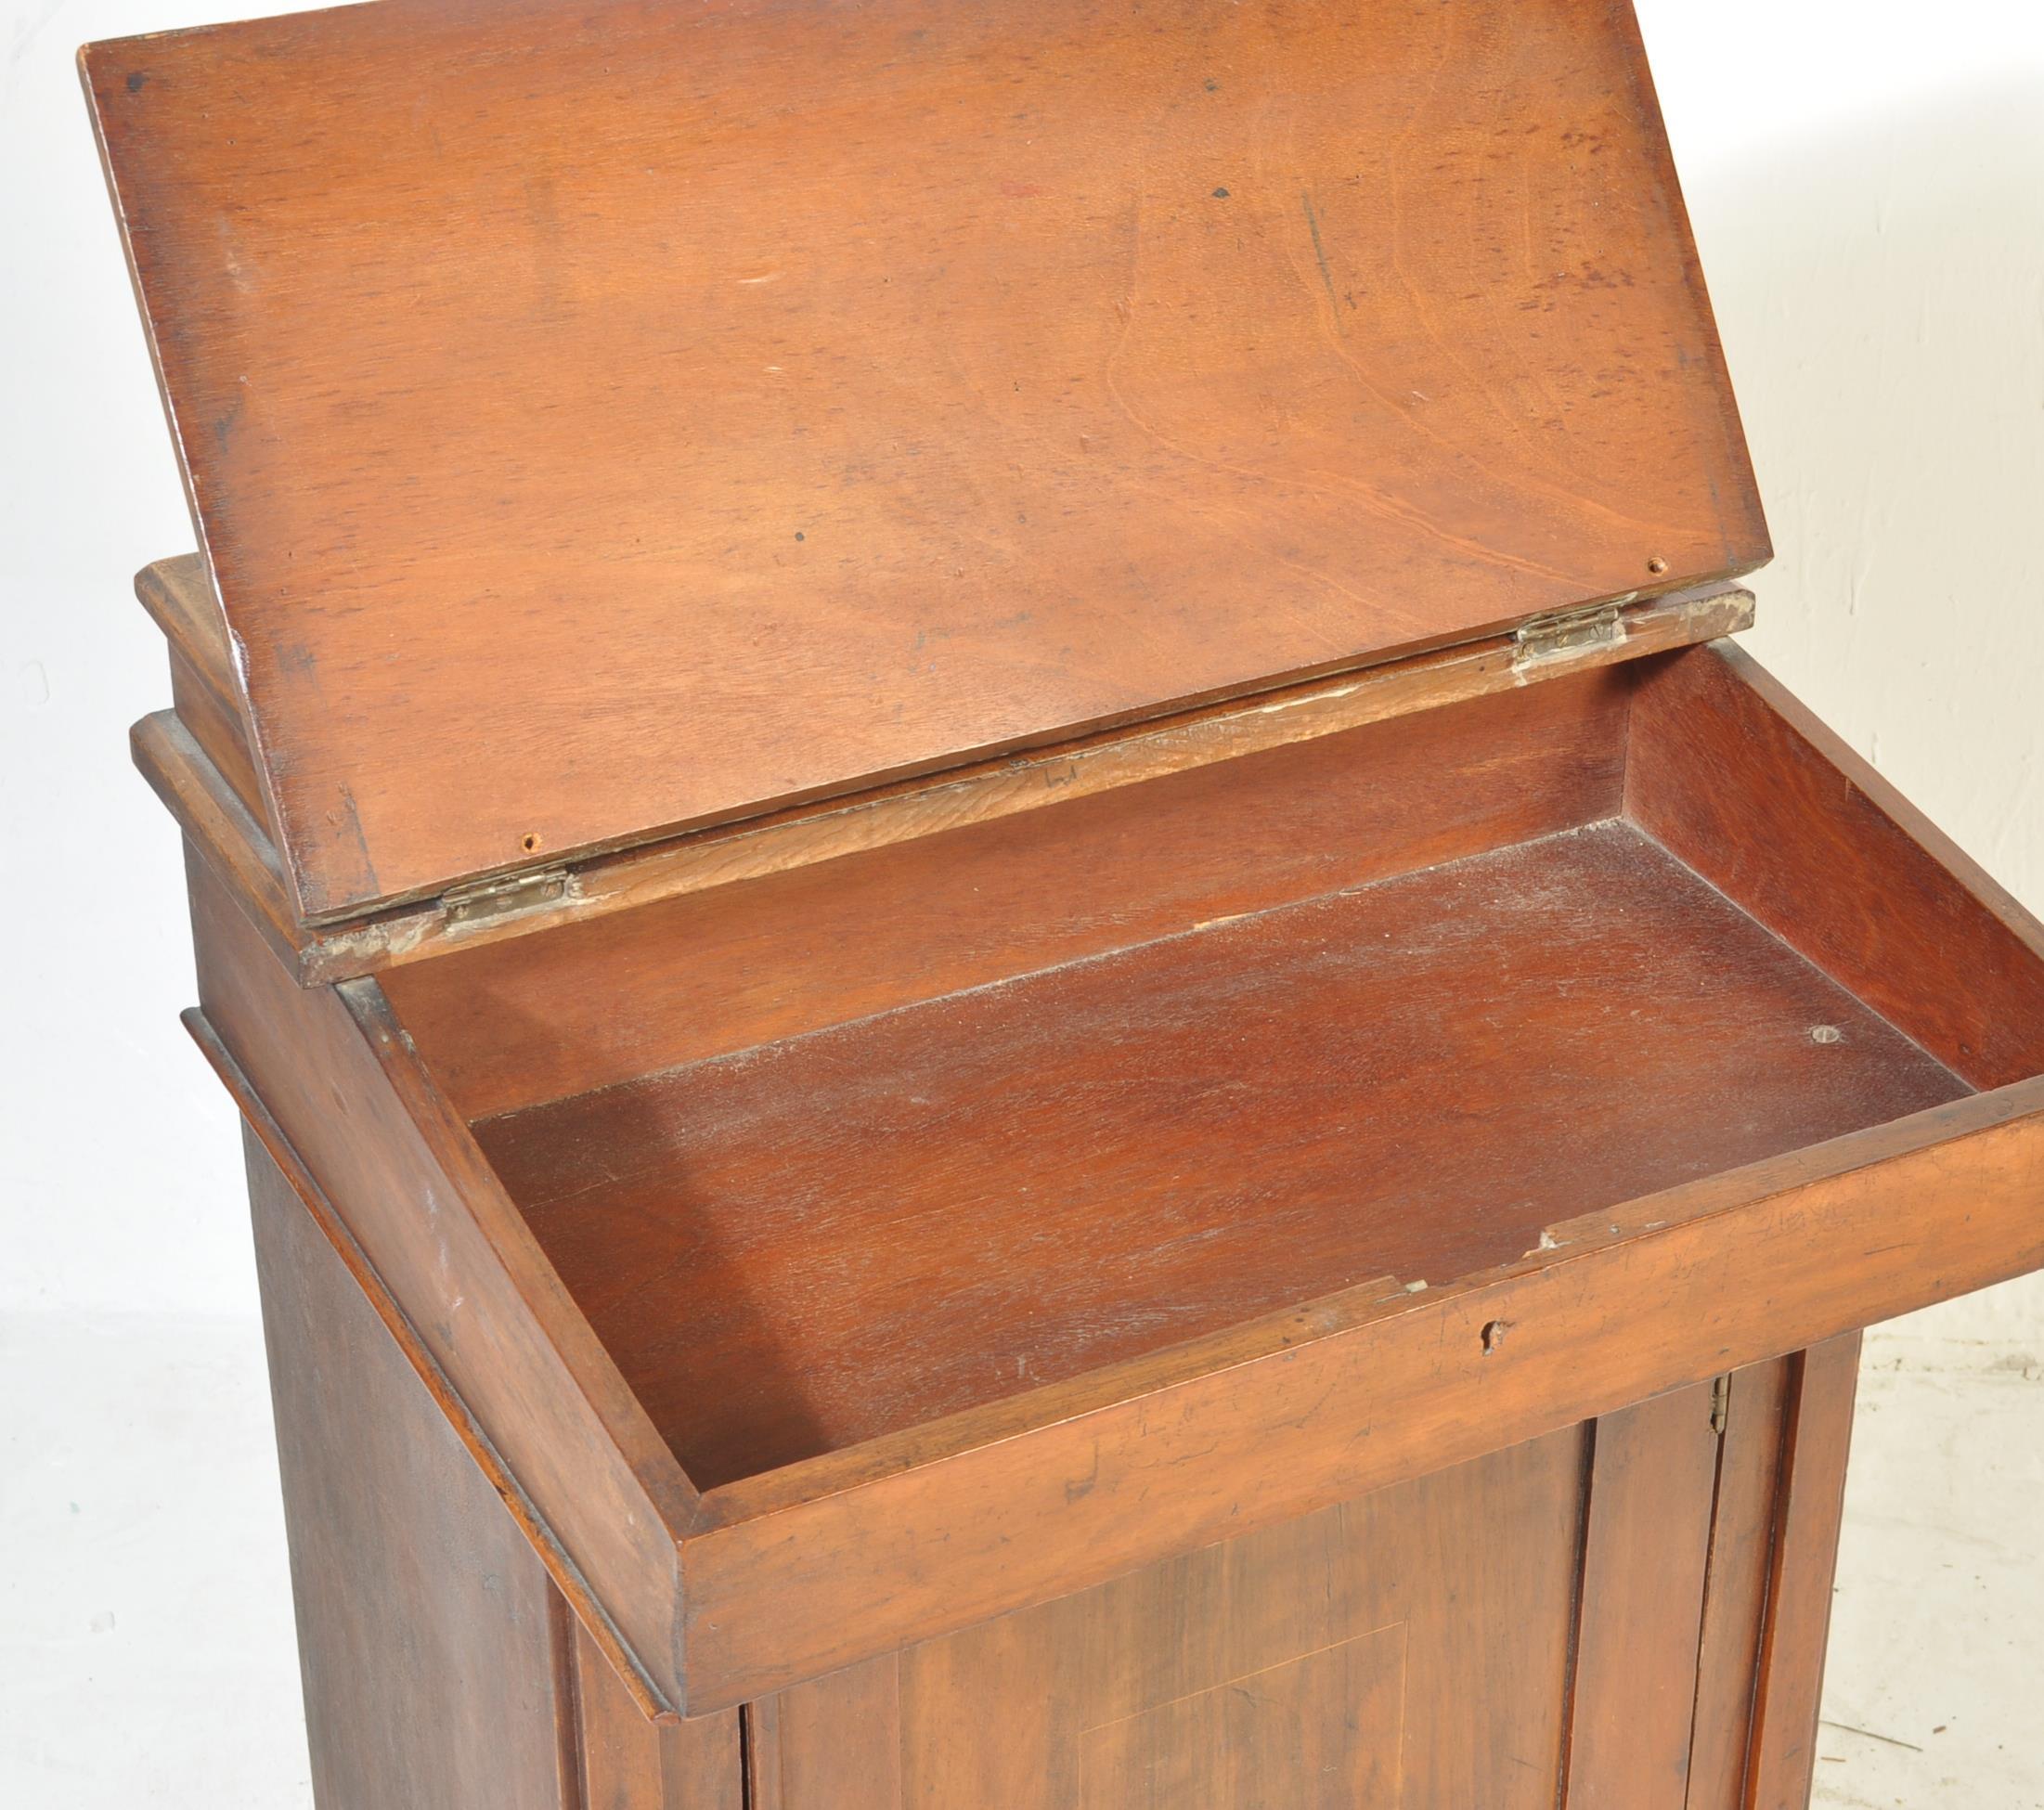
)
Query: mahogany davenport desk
[{"x": 1030, "y": 1017}]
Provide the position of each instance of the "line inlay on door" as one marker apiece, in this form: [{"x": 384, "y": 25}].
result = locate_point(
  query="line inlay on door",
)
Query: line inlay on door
[{"x": 1324, "y": 1731}]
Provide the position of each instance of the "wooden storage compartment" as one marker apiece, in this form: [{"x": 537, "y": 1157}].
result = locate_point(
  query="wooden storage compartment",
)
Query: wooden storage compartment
[{"x": 1385, "y": 1006}]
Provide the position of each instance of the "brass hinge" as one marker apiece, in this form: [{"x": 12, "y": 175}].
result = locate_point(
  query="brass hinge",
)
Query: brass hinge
[
  {"x": 1721, "y": 1404},
  {"x": 1569, "y": 632},
  {"x": 491, "y": 899}
]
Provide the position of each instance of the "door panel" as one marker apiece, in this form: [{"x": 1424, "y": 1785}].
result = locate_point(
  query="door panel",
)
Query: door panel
[
  {"x": 1409, "y": 1649},
  {"x": 1653, "y": 1472}
]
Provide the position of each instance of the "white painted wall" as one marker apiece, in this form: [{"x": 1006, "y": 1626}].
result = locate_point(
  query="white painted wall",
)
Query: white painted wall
[{"x": 1867, "y": 184}]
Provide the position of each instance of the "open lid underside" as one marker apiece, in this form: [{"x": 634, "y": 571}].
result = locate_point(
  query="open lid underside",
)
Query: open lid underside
[{"x": 606, "y": 419}]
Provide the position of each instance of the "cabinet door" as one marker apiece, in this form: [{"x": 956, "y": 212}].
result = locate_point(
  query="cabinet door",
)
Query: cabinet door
[
  {"x": 1409, "y": 1649},
  {"x": 1626, "y": 1613},
  {"x": 1774, "y": 1549}
]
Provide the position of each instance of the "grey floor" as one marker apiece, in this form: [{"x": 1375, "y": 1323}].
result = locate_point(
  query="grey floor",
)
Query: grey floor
[
  {"x": 1934, "y": 1695},
  {"x": 146, "y": 1652}
]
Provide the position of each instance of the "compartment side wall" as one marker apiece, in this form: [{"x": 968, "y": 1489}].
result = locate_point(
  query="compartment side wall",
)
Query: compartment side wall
[
  {"x": 1738, "y": 779},
  {"x": 520, "y": 1023}
]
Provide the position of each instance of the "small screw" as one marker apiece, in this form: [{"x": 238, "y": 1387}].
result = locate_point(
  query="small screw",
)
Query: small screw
[
  {"x": 1657, "y": 565},
  {"x": 1826, "y": 1034},
  {"x": 1493, "y": 1335}
]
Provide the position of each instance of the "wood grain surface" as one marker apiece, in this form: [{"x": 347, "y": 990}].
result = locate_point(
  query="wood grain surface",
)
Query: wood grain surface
[
  {"x": 1811, "y": 1509},
  {"x": 607, "y": 418},
  {"x": 188, "y": 761},
  {"x": 432, "y": 1227},
  {"x": 440, "y": 1664},
  {"x": 527, "y": 1020},
  {"x": 1738, "y": 778},
  {"x": 815, "y": 1242},
  {"x": 1742, "y": 1578},
  {"x": 1632, "y": 1713},
  {"x": 626, "y": 1761},
  {"x": 1404, "y": 1652},
  {"x": 942, "y": 1527},
  {"x": 426, "y": 1633}
]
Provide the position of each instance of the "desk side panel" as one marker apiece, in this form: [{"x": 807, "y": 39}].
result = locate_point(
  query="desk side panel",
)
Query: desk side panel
[
  {"x": 1810, "y": 1512},
  {"x": 605, "y": 1490},
  {"x": 440, "y": 1666},
  {"x": 427, "y": 1627}
]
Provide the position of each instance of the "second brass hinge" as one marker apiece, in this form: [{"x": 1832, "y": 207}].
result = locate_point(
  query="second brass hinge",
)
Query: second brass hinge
[
  {"x": 1721, "y": 1404},
  {"x": 1568, "y": 632},
  {"x": 491, "y": 899}
]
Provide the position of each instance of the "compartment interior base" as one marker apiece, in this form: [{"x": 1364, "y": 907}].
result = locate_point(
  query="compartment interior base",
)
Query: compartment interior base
[{"x": 817, "y": 1241}]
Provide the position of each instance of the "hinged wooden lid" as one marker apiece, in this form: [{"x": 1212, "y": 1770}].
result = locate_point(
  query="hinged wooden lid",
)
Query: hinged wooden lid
[{"x": 603, "y": 420}]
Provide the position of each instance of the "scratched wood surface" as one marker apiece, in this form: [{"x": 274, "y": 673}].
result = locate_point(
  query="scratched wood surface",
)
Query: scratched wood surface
[
  {"x": 807, "y": 1245},
  {"x": 610, "y": 417}
]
